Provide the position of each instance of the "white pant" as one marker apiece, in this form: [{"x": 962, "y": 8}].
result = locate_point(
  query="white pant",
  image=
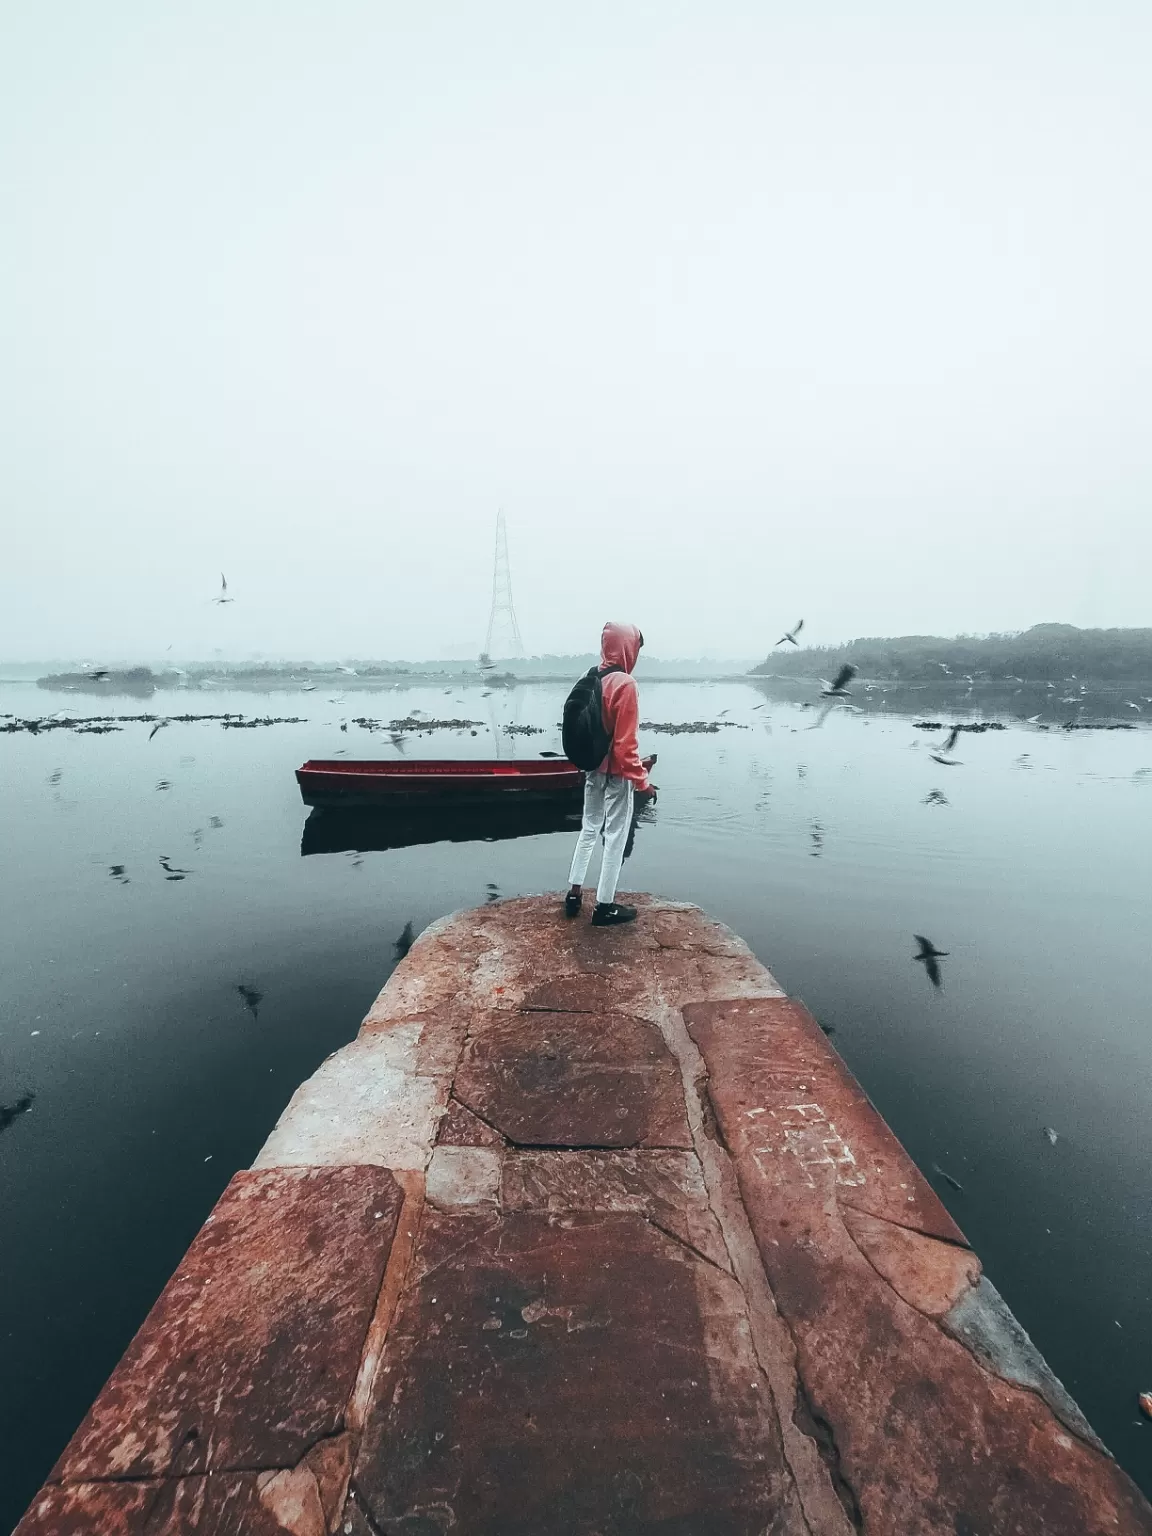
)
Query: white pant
[{"x": 607, "y": 804}]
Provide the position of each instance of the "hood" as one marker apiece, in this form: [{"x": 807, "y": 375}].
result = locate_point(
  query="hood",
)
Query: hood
[{"x": 620, "y": 645}]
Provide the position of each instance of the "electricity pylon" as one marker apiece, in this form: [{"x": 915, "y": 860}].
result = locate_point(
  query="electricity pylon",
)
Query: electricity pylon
[{"x": 503, "y": 629}]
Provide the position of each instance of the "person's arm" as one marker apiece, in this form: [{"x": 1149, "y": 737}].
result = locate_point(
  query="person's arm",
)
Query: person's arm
[{"x": 625, "y": 749}]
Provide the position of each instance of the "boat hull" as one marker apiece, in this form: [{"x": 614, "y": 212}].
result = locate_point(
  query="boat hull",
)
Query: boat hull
[{"x": 362, "y": 785}]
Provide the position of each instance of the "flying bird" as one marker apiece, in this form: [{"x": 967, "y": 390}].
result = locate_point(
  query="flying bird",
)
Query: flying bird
[
  {"x": 398, "y": 739},
  {"x": 251, "y": 998},
  {"x": 10, "y": 1113},
  {"x": 838, "y": 687},
  {"x": 929, "y": 956},
  {"x": 348, "y": 671},
  {"x": 953, "y": 738},
  {"x": 404, "y": 943},
  {"x": 948, "y": 1179},
  {"x": 99, "y": 675},
  {"x": 789, "y": 635},
  {"x": 159, "y": 726},
  {"x": 223, "y": 598}
]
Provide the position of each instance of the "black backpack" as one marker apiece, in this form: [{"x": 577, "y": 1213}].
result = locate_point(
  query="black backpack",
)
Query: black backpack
[{"x": 586, "y": 742}]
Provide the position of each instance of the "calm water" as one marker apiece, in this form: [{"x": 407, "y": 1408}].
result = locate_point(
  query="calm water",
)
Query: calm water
[{"x": 162, "y": 1023}]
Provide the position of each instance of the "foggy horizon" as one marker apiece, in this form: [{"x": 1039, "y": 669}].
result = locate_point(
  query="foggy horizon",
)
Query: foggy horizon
[{"x": 739, "y": 317}]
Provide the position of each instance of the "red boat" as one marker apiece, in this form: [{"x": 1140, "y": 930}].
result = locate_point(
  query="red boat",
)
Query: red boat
[{"x": 456, "y": 783}]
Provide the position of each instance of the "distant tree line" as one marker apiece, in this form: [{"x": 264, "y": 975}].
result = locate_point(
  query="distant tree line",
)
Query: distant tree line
[{"x": 1046, "y": 652}]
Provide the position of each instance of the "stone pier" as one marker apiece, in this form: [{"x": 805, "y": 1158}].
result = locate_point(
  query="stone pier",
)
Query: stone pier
[{"x": 589, "y": 1232}]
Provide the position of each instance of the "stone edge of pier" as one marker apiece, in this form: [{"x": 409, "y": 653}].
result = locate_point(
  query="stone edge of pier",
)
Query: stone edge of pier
[{"x": 641, "y": 1103}]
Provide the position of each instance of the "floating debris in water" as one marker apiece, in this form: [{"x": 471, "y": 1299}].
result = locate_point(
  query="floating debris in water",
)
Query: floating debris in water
[
  {"x": 973, "y": 727},
  {"x": 691, "y": 727},
  {"x": 413, "y": 722},
  {"x": 1051, "y": 1135},
  {"x": 1083, "y": 725},
  {"x": 99, "y": 725},
  {"x": 251, "y": 725}
]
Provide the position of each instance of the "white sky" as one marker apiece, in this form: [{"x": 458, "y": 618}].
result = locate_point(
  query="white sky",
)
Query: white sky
[{"x": 742, "y": 312}]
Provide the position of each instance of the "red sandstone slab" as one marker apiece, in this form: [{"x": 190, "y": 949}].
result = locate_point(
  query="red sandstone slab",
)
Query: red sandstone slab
[
  {"x": 573, "y": 1080},
  {"x": 586, "y": 992},
  {"x": 921, "y": 1436},
  {"x": 461, "y": 1128},
  {"x": 250, "y": 1354},
  {"x": 666, "y": 1187},
  {"x": 576, "y": 1375},
  {"x": 225, "y": 1504},
  {"x": 592, "y": 1036},
  {"x": 789, "y": 1101}
]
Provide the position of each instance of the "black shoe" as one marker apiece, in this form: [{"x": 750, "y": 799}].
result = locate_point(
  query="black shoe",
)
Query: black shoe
[
  {"x": 572, "y": 903},
  {"x": 606, "y": 913}
]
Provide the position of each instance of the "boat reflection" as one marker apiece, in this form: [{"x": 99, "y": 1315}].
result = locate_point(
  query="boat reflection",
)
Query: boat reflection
[
  {"x": 329, "y": 830},
  {"x": 334, "y": 830}
]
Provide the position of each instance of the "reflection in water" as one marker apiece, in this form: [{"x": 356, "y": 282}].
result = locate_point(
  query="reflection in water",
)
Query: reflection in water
[
  {"x": 331, "y": 830},
  {"x": 347, "y": 831}
]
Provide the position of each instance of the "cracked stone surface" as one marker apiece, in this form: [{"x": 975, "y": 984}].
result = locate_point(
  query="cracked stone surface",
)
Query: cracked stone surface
[
  {"x": 573, "y": 1080},
  {"x": 250, "y": 1354},
  {"x": 588, "y": 1232}
]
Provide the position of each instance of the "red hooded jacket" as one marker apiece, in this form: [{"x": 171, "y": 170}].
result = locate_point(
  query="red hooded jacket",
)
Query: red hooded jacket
[{"x": 619, "y": 647}]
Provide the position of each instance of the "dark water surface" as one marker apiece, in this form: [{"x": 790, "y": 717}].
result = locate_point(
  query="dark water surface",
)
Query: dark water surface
[{"x": 160, "y": 1018}]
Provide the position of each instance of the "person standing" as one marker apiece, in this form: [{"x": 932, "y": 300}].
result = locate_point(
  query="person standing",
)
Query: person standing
[{"x": 609, "y": 787}]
